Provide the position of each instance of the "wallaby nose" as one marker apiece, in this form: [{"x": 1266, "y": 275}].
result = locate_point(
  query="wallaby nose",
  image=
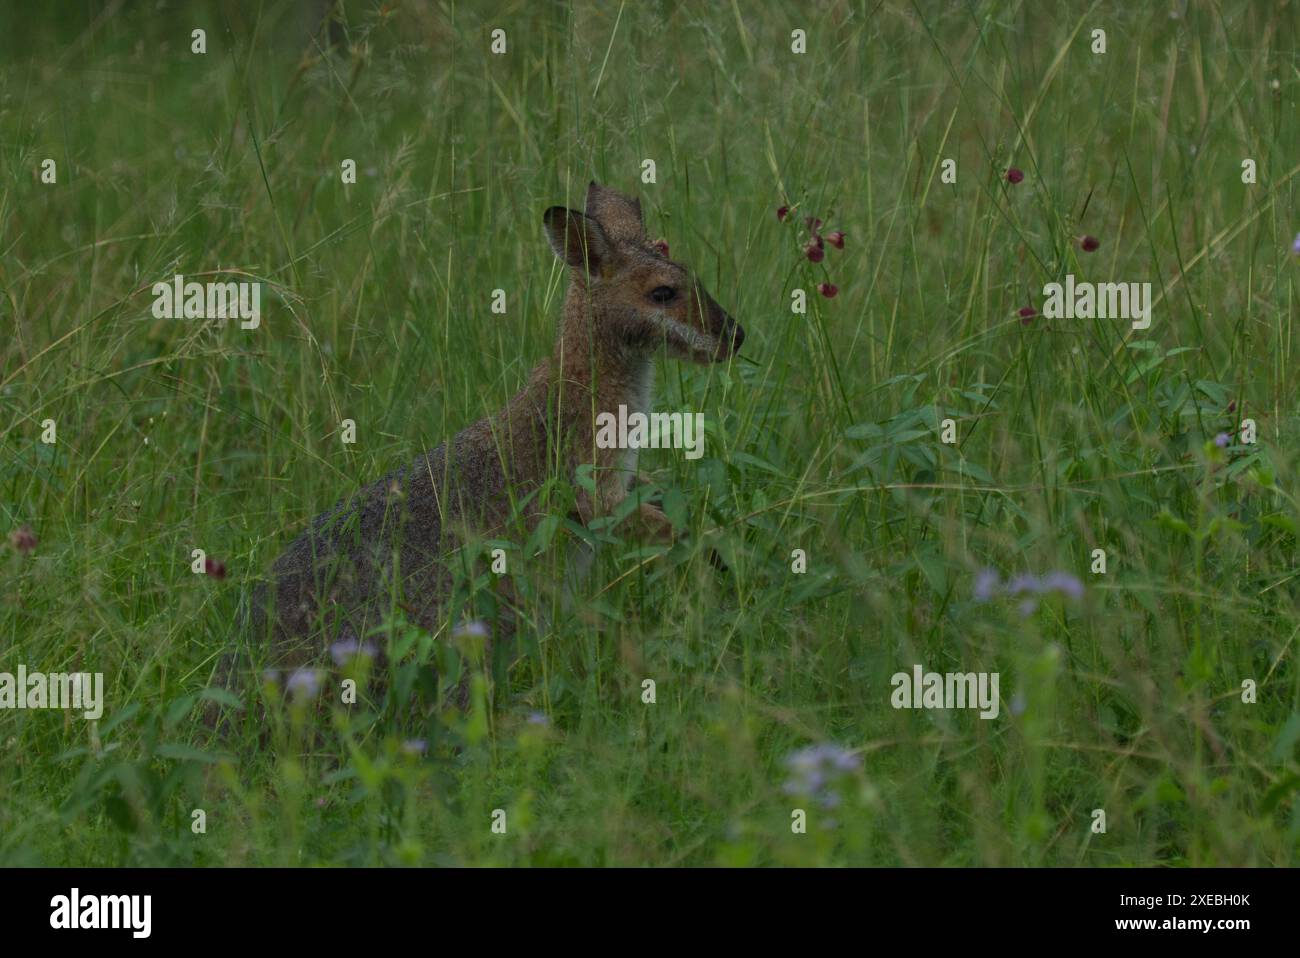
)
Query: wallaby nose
[{"x": 737, "y": 334}]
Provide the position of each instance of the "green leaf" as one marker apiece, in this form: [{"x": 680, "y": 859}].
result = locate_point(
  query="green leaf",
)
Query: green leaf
[
  {"x": 222, "y": 697},
  {"x": 913, "y": 378},
  {"x": 864, "y": 430},
  {"x": 119, "y": 813},
  {"x": 542, "y": 535},
  {"x": 908, "y": 435},
  {"x": 746, "y": 458},
  {"x": 1280, "y": 790},
  {"x": 180, "y": 708},
  {"x": 188, "y": 753},
  {"x": 585, "y": 478},
  {"x": 1279, "y": 521},
  {"x": 979, "y": 400},
  {"x": 117, "y": 718},
  {"x": 920, "y": 456},
  {"x": 936, "y": 573},
  {"x": 1216, "y": 392},
  {"x": 869, "y": 458},
  {"x": 1167, "y": 520},
  {"x": 967, "y": 468},
  {"x": 1287, "y": 738},
  {"x": 1143, "y": 368},
  {"x": 674, "y": 505}
]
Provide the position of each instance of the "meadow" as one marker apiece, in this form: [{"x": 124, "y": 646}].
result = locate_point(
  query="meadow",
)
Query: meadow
[{"x": 857, "y": 542}]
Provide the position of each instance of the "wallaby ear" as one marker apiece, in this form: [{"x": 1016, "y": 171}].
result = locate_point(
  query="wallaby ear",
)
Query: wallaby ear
[
  {"x": 618, "y": 213},
  {"x": 577, "y": 239}
]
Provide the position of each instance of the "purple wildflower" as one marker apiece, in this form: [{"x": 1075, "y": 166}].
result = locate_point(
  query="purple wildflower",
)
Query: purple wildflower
[
  {"x": 1222, "y": 440},
  {"x": 1024, "y": 583},
  {"x": 345, "y": 650},
  {"x": 1065, "y": 583},
  {"x": 845, "y": 761},
  {"x": 415, "y": 746},
  {"x": 803, "y": 761},
  {"x": 475, "y": 628},
  {"x": 1295, "y": 247},
  {"x": 303, "y": 682},
  {"x": 987, "y": 583},
  {"x": 811, "y": 783},
  {"x": 817, "y": 769}
]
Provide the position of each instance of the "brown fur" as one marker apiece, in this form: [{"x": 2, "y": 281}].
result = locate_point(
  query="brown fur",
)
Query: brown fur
[{"x": 336, "y": 578}]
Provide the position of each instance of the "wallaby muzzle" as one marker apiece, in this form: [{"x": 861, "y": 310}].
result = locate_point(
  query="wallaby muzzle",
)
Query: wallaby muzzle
[{"x": 731, "y": 335}]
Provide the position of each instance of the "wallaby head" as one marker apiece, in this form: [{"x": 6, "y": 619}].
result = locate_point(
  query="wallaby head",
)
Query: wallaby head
[{"x": 627, "y": 288}]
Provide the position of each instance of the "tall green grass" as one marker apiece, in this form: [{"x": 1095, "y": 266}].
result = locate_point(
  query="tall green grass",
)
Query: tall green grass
[{"x": 1078, "y": 435}]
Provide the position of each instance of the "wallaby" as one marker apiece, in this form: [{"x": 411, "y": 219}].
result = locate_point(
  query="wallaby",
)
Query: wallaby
[{"x": 625, "y": 299}]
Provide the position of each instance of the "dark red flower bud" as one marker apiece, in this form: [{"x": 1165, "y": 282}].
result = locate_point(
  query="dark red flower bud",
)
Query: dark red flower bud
[
  {"x": 1090, "y": 244},
  {"x": 1026, "y": 314},
  {"x": 214, "y": 568},
  {"x": 1014, "y": 175},
  {"x": 836, "y": 239},
  {"x": 814, "y": 252},
  {"x": 23, "y": 540},
  {"x": 782, "y": 213},
  {"x": 813, "y": 223},
  {"x": 662, "y": 247},
  {"x": 828, "y": 289}
]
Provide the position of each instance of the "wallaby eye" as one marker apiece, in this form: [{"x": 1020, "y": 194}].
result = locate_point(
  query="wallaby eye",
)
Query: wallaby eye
[{"x": 663, "y": 294}]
